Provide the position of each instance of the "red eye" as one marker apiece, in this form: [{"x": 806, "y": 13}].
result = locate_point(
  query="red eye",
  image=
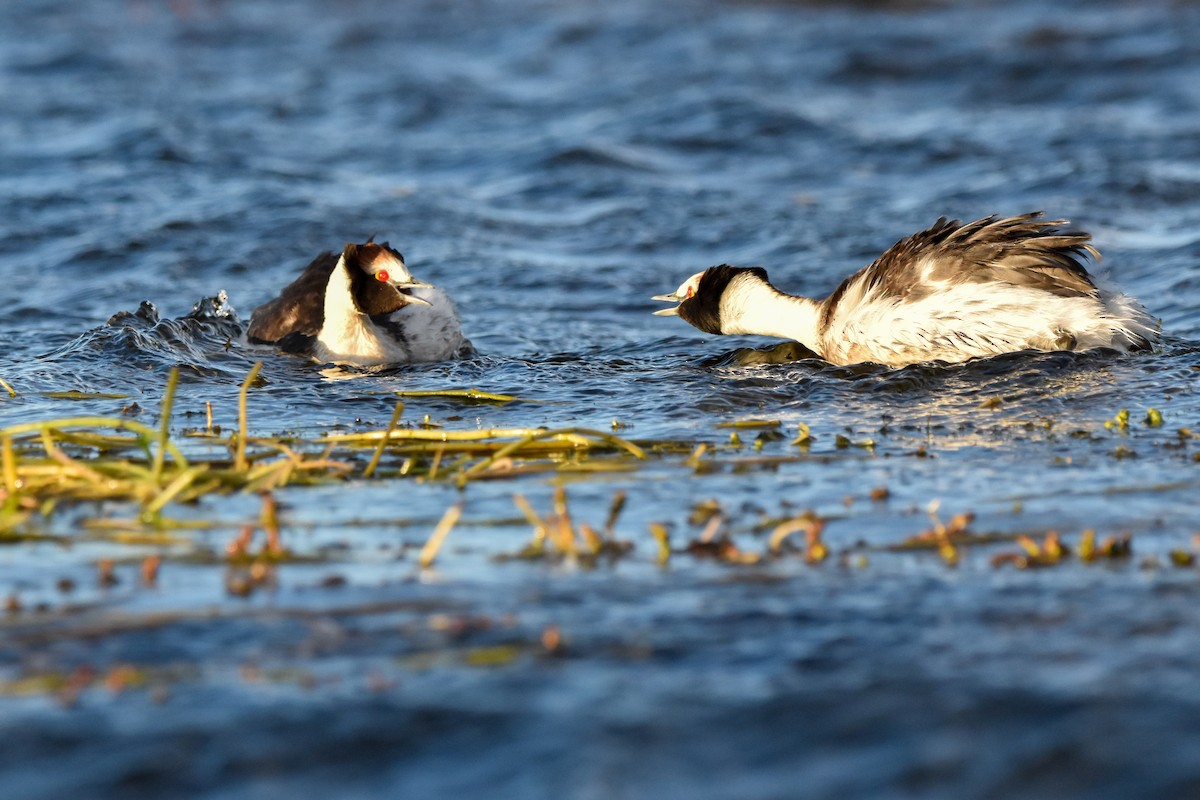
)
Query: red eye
[
  {"x": 691, "y": 292},
  {"x": 382, "y": 275}
]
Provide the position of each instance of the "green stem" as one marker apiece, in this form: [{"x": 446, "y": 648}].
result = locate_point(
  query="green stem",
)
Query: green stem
[
  {"x": 240, "y": 457},
  {"x": 396, "y": 412},
  {"x": 164, "y": 425}
]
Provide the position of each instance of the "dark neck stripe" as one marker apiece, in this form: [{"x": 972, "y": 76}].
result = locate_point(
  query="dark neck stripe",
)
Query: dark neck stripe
[{"x": 703, "y": 310}]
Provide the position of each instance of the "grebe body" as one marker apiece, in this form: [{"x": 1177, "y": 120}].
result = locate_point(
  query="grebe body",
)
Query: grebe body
[
  {"x": 361, "y": 307},
  {"x": 949, "y": 293}
]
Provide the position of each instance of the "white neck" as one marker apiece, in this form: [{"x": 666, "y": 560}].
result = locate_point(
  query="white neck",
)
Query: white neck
[
  {"x": 339, "y": 305},
  {"x": 430, "y": 332},
  {"x": 347, "y": 335},
  {"x": 751, "y": 306}
]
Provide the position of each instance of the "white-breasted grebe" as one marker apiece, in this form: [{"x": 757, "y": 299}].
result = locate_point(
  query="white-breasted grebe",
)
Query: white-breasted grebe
[
  {"x": 949, "y": 293},
  {"x": 362, "y": 307}
]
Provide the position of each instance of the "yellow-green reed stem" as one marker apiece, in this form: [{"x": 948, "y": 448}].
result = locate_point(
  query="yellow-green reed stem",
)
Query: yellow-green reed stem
[
  {"x": 803, "y": 436},
  {"x": 9, "y": 467},
  {"x": 172, "y": 490},
  {"x": 527, "y": 510},
  {"x": 164, "y": 423},
  {"x": 437, "y": 462},
  {"x": 539, "y": 527},
  {"x": 439, "y": 435},
  {"x": 269, "y": 513},
  {"x": 430, "y": 550},
  {"x": 77, "y": 395},
  {"x": 467, "y": 394},
  {"x": 786, "y": 529},
  {"x": 145, "y": 434},
  {"x": 82, "y": 422},
  {"x": 240, "y": 456},
  {"x": 565, "y": 531},
  {"x": 8, "y": 388},
  {"x": 396, "y": 412},
  {"x": 659, "y": 532},
  {"x": 75, "y": 467},
  {"x": 534, "y": 436},
  {"x": 269, "y": 476},
  {"x": 746, "y": 424},
  {"x": 694, "y": 460},
  {"x": 614, "y": 511}
]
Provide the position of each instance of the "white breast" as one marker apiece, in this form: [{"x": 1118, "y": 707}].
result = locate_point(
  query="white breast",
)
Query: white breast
[
  {"x": 412, "y": 334},
  {"x": 432, "y": 332}
]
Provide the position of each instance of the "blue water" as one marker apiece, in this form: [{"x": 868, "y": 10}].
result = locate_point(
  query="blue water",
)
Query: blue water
[{"x": 552, "y": 165}]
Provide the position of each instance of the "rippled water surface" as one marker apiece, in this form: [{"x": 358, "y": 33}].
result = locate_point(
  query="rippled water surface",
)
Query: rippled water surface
[{"x": 552, "y": 165}]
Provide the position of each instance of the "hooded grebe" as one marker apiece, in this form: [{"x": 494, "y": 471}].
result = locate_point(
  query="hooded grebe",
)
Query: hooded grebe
[
  {"x": 362, "y": 307},
  {"x": 949, "y": 293}
]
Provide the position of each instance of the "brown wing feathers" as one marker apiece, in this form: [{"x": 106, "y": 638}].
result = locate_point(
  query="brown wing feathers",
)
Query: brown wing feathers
[
  {"x": 1021, "y": 251},
  {"x": 299, "y": 308}
]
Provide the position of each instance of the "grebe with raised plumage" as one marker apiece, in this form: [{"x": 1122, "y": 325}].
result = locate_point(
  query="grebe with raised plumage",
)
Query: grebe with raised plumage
[
  {"x": 361, "y": 307},
  {"x": 949, "y": 293}
]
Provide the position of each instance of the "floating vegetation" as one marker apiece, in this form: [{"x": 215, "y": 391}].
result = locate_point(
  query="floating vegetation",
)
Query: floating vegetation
[
  {"x": 717, "y": 540},
  {"x": 68, "y": 686},
  {"x": 76, "y": 395},
  {"x": 498, "y": 450},
  {"x": 663, "y": 538},
  {"x": 1182, "y": 558},
  {"x": 804, "y": 437},
  {"x": 714, "y": 541},
  {"x": 750, "y": 424},
  {"x": 842, "y": 442},
  {"x": 945, "y": 537},
  {"x": 1053, "y": 551},
  {"x": 1120, "y": 422},
  {"x": 812, "y": 527},
  {"x": 556, "y": 537},
  {"x": 95, "y": 458},
  {"x": 53, "y": 464},
  {"x": 447, "y": 522},
  {"x": 469, "y": 396},
  {"x": 1110, "y": 547},
  {"x": 396, "y": 412}
]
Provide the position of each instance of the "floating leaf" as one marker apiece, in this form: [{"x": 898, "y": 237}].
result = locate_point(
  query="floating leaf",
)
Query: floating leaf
[
  {"x": 77, "y": 395},
  {"x": 471, "y": 396}
]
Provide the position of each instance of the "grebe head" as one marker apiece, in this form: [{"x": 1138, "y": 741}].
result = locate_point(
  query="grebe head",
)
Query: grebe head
[
  {"x": 379, "y": 279},
  {"x": 700, "y": 296}
]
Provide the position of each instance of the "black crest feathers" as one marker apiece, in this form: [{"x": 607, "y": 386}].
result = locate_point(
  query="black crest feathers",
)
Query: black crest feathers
[{"x": 703, "y": 309}]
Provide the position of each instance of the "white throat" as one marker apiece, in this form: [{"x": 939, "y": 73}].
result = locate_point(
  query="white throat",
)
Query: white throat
[
  {"x": 750, "y": 306},
  {"x": 348, "y": 335},
  {"x": 413, "y": 333}
]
